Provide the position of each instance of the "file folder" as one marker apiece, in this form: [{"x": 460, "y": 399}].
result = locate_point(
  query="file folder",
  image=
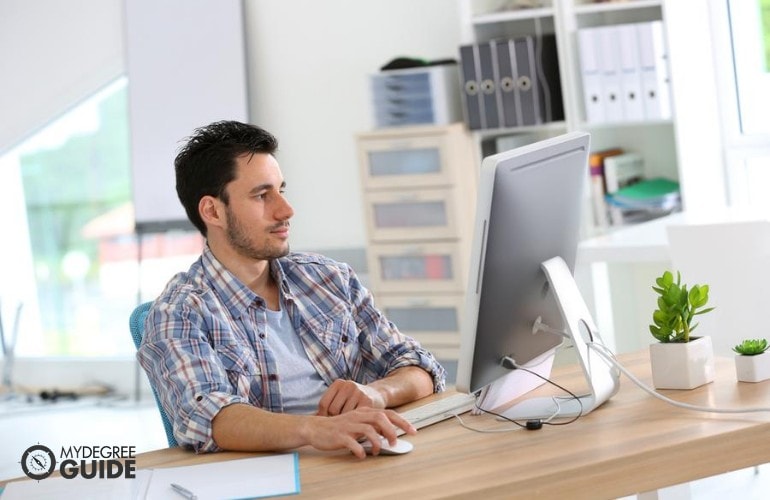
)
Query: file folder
[
  {"x": 471, "y": 87},
  {"x": 549, "y": 78},
  {"x": 526, "y": 73},
  {"x": 487, "y": 59},
  {"x": 591, "y": 72},
  {"x": 610, "y": 56},
  {"x": 510, "y": 107},
  {"x": 630, "y": 74},
  {"x": 653, "y": 62},
  {"x": 538, "y": 79}
]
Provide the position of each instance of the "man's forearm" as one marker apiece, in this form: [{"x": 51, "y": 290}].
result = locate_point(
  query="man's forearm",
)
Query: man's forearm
[
  {"x": 242, "y": 427},
  {"x": 404, "y": 385}
]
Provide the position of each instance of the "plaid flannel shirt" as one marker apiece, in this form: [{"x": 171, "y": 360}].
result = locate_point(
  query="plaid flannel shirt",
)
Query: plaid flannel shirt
[{"x": 204, "y": 344}]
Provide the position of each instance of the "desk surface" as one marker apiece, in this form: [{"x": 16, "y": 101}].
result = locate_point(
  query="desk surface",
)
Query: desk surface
[{"x": 634, "y": 443}]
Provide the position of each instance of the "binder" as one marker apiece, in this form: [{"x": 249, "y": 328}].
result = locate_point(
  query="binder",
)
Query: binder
[
  {"x": 526, "y": 73},
  {"x": 487, "y": 59},
  {"x": 610, "y": 63},
  {"x": 471, "y": 87},
  {"x": 591, "y": 72},
  {"x": 509, "y": 105},
  {"x": 653, "y": 62},
  {"x": 630, "y": 74},
  {"x": 548, "y": 79}
]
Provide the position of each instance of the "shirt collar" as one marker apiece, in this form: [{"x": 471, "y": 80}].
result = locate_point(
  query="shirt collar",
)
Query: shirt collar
[{"x": 236, "y": 296}]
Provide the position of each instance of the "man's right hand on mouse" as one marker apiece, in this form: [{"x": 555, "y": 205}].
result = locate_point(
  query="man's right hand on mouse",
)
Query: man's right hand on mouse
[{"x": 348, "y": 429}]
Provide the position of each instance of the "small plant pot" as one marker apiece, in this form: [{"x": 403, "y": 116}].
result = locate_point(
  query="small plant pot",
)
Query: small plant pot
[
  {"x": 752, "y": 368},
  {"x": 682, "y": 365}
]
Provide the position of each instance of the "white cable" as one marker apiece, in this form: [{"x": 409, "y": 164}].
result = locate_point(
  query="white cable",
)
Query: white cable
[{"x": 605, "y": 353}]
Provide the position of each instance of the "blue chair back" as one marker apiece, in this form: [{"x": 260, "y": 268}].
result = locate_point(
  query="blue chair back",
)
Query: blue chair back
[{"x": 136, "y": 325}]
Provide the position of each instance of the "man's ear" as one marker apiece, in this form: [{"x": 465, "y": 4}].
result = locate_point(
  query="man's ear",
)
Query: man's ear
[{"x": 212, "y": 211}]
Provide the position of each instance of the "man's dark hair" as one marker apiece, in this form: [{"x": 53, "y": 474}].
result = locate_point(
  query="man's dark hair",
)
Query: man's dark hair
[{"x": 206, "y": 163}]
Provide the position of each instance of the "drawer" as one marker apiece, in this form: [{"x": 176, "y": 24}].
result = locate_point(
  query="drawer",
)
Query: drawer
[
  {"x": 395, "y": 162},
  {"x": 427, "y": 214},
  {"x": 434, "y": 320},
  {"x": 428, "y": 267},
  {"x": 394, "y": 85},
  {"x": 393, "y": 114}
]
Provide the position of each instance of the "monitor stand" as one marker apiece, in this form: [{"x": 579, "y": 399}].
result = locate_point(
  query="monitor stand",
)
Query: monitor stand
[{"x": 603, "y": 379}]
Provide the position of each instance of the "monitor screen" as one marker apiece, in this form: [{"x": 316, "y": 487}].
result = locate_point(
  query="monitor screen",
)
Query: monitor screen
[{"x": 528, "y": 210}]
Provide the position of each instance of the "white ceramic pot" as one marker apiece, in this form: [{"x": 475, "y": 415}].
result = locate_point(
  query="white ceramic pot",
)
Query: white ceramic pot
[
  {"x": 682, "y": 365},
  {"x": 752, "y": 368}
]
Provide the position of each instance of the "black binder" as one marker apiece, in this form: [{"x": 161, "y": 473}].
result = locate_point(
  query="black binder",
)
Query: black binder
[
  {"x": 489, "y": 88},
  {"x": 471, "y": 87},
  {"x": 511, "y": 113},
  {"x": 538, "y": 83}
]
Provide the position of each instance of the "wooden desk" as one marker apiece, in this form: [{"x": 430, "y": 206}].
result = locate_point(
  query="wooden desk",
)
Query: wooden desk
[{"x": 634, "y": 443}]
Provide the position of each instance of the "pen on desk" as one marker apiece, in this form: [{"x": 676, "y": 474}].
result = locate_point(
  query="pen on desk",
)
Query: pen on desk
[{"x": 184, "y": 491}]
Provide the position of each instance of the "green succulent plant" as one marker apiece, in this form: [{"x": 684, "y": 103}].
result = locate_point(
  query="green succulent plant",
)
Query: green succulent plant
[
  {"x": 677, "y": 307},
  {"x": 751, "y": 347}
]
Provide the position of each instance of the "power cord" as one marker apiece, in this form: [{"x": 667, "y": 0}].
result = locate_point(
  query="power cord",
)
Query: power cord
[
  {"x": 532, "y": 424},
  {"x": 608, "y": 356}
]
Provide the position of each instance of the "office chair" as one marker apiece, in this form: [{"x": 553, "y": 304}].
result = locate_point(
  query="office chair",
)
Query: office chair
[{"x": 136, "y": 325}]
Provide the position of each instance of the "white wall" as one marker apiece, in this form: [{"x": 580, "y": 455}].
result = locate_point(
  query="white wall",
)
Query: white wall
[
  {"x": 308, "y": 64},
  {"x": 53, "y": 54}
]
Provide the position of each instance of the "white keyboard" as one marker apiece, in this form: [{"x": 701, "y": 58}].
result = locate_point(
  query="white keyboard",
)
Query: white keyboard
[{"x": 441, "y": 409}]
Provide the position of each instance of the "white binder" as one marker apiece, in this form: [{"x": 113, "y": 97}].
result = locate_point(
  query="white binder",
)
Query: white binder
[
  {"x": 630, "y": 73},
  {"x": 590, "y": 69},
  {"x": 610, "y": 63},
  {"x": 653, "y": 59}
]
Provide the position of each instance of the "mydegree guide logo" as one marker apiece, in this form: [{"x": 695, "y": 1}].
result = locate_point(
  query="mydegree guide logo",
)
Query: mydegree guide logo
[{"x": 89, "y": 462}]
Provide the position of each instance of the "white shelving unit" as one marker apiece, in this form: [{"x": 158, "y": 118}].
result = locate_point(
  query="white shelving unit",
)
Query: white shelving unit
[{"x": 686, "y": 148}]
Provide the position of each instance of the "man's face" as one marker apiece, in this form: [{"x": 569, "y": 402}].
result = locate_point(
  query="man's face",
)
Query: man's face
[{"x": 257, "y": 213}]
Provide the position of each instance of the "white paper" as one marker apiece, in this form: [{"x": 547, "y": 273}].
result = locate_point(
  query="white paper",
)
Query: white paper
[
  {"x": 80, "y": 488},
  {"x": 258, "y": 477},
  {"x": 245, "y": 478}
]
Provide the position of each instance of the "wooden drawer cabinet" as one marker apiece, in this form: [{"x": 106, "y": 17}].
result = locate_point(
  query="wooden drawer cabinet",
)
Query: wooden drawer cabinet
[{"x": 419, "y": 195}]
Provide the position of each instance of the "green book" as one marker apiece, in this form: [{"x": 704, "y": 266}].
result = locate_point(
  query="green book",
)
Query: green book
[{"x": 648, "y": 189}]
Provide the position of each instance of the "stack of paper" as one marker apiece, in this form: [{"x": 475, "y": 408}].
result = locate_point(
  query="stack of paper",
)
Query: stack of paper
[{"x": 647, "y": 199}]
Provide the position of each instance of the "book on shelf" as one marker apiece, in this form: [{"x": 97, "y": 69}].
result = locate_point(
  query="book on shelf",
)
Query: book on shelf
[
  {"x": 646, "y": 199},
  {"x": 621, "y": 171},
  {"x": 598, "y": 185}
]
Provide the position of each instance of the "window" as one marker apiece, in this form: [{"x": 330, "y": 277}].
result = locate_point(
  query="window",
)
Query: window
[
  {"x": 71, "y": 276},
  {"x": 750, "y": 33}
]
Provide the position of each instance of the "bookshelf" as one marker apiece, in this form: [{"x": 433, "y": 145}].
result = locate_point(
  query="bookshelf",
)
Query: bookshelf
[{"x": 685, "y": 147}]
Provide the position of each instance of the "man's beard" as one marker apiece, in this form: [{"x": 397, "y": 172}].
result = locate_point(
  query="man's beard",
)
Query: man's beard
[{"x": 240, "y": 241}]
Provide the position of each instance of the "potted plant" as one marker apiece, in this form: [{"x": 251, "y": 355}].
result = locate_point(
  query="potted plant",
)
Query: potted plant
[
  {"x": 752, "y": 361},
  {"x": 679, "y": 360}
]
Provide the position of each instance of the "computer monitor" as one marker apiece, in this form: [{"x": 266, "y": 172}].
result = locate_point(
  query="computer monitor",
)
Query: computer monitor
[{"x": 528, "y": 213}]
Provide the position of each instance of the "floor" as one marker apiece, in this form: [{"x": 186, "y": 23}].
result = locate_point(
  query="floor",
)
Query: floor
[{"x": 128, "y": 423}]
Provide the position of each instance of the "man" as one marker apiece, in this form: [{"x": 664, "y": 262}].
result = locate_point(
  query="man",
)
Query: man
[{"x": 256, "y": 348}]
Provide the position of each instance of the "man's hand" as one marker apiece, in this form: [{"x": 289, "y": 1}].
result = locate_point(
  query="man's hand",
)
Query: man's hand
[
  {"x": 345, "y": 430},
  {"x": 345, "y": 395}
]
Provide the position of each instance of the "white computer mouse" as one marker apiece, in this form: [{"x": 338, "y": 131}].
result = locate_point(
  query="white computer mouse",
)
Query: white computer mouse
[{"x": 399, "y": 448}]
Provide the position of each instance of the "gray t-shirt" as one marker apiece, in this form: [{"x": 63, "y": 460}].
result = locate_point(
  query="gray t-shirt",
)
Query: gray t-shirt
[{"x": 301, "y": 385}]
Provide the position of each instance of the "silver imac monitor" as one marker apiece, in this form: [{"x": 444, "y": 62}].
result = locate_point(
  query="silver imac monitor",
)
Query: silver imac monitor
[{"x": 528, "y": 213}]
